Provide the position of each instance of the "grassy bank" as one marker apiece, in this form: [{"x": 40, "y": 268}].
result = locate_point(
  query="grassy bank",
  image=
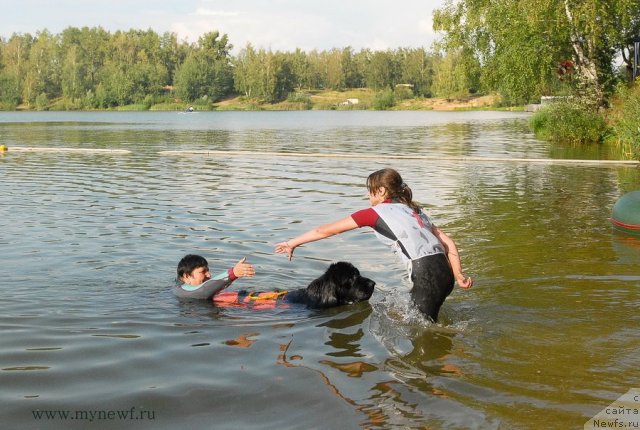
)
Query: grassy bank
[
  {"x": 578, "y": 120},
  {"x": 355, "y": 99}
]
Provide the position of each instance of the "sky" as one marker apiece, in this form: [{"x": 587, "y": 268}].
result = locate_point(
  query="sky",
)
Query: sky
[{"x": 279, "y": 25}]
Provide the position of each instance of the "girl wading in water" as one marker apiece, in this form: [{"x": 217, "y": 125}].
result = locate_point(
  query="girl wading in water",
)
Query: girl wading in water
[{"x": 431, "y": 256}]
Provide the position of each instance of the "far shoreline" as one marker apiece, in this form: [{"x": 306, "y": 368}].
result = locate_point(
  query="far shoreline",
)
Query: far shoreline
[{"x": 354, "y": 100}]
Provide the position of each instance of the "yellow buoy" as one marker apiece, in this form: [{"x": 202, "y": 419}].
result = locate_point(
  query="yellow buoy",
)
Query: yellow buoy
[{"x": 3, "y": 148}]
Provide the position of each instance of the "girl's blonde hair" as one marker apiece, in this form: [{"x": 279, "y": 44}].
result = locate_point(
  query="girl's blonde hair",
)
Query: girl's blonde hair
[{"x": 391, "y": 180}]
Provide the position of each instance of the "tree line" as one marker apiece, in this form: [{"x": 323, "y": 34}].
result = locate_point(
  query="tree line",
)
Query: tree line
[
  {"x": 89, "y": 68},
  {"x": 519, "y": 50}
]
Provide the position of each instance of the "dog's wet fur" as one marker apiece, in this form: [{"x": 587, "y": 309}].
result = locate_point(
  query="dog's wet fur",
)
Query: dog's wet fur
[{"x": 341, "y": 284}]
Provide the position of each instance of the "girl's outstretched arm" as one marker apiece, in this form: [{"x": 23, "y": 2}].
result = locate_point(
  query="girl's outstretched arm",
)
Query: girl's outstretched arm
[{"x": 317, "y": 233}]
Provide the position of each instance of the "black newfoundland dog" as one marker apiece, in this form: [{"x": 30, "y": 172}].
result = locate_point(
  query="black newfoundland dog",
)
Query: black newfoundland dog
[{"x": 341, "y": 284}]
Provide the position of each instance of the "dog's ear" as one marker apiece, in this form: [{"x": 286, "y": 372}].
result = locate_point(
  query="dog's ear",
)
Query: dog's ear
[{"x": 322, "y": 293}]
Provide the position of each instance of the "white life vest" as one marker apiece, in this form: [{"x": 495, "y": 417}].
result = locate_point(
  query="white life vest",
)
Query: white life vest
[{"x": 413, "y": 232}]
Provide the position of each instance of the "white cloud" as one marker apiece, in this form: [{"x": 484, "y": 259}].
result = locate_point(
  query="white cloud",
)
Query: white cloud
[
  {"x": 379, "y": 45},
  {"x": 277, "y": 31},
  {"x": 425, "y": 26},
  {"x": 208, "y": 12},
  {"x": 282, "y": 25}
]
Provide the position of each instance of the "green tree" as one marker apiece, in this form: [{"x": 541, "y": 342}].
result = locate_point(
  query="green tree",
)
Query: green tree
[
  {"x": 285, "y": 79},
  {"x": 133, "y": 68},
  {"x": 246, "y": 71},
  {"x": 520, "y": 45},
  {"x": 118, "y": 89},
  {"x": 276, "y": 77},
  {"x": 9, "y": 93},
  {"x": 316, "y": 75},
  {"x": 102, "y": 98},
  {"x": 93, "y": 44},
  {"x": 42, "y": 71},
  {"x": 207, "y": 70},
  {"x": 83, "y": 53},
  {"x": 382, "y": 71},
  {"x": 333, "y": 69},
  {"x": 172, "y": 53},
  {"x": 300, "y": 69},
  {"x": 416, "y": 68},
  {"x": 353, "y": 75},
  {"x": 264, "y": 75},
  {"x": 191, "y": 79},
  {"x": 451, "y": 78},
  {"x": 15, "y": 59},
  {"x": 73, "y": 85}
]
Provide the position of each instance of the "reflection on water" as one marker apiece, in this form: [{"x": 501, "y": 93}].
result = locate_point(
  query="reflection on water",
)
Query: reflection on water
[
  {"x": 90, "y": 242},
  {"x": 626, "y": 247}
]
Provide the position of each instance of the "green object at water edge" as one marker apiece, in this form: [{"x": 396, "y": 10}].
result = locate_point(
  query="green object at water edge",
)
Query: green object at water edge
[{"x": 625, "y": 215}]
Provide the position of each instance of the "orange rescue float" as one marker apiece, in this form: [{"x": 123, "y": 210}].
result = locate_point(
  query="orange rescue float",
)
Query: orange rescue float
[{"x": 244, "y": 299}]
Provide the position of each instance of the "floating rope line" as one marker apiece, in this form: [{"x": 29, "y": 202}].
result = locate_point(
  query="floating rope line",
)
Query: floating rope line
[
  {"x": 466, "y": 159},
  {"x": 85, "y": 150},
  {"x": 403, "y": 157}
]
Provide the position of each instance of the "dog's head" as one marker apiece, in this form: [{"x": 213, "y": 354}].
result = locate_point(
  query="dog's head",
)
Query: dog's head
[{"x": 341, "y": 284}]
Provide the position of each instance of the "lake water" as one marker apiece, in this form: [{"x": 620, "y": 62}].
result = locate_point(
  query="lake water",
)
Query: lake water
[{"x": 93, "y": 338}]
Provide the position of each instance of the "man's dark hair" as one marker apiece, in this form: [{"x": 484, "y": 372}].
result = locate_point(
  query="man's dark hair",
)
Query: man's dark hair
[{"x": 189, "y": 263}]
